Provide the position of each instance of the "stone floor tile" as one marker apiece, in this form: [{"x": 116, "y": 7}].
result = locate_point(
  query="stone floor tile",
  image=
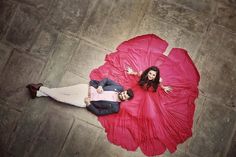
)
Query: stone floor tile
[
  {"x": 232, "y": 150},
  {"x": 175, "y": 36},
  {"x": 213, "y": 38},
  {"x": 5, "y": 153},
  {"x": 137, "y": 153},
  {"x": 56, "y": 66},
  {"x": 28, "y": 127},
  {"x": 201, "y": 66},
  {"x": 7, "y": 10},
  {"x": 78, "y": 8},
  {"x": 215, "y": 128},
  {"x": 81, "y": 140},
  {"x": 175, "y": 14},
  {"x": 78, "y": 112},
  {"x": 201, "y": 6},
  {"x": 71, "y": 79},
  {"x": 177, "y": 153},
  {"x": 24, "y": 27},
  {"x": 217, "y": 64},
  {"x": 68, "y": 16},
  {"x": 92, "y": 27},
  {"x": 86, "y": 58},
  {"x": 5, "y": 52},
  {"x": 199, "y": 111},
  {"x": 104, "y": 148},
  {"x": 227, "y": 2},
  {"x": 42, "y": 6},
  {"x": 45, "y": 42},
  {"x": 226, "y": 16},
  {"x": 124, "y": 16},
  {"x": 54, "y": 131},
  {"x": 227, "y": 47},
  {"x": 20, "y": 70},
  {"x": 8, "y": 122}
]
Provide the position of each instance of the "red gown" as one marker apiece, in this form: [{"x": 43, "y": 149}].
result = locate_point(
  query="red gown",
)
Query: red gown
[{"x": 153, "y": 121}]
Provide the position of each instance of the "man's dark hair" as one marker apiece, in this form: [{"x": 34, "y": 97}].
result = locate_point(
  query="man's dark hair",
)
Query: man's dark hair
[{"x": 130, "y": 93}]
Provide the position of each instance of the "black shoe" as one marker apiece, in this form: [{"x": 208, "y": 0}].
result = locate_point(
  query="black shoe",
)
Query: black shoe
[{"x": 33, "y": 88}]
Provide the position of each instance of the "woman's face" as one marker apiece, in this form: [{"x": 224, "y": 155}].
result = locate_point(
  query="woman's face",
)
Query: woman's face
[{"x": 151, "y": 75}]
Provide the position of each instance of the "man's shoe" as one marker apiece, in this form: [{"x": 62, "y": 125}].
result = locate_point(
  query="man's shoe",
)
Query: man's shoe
[
  {"x": 35, "y": 86},
  {"x": 33, "y": 92}
]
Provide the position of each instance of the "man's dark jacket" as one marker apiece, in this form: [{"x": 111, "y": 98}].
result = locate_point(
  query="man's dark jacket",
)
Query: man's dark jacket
[{"x": 103, "y": 107}]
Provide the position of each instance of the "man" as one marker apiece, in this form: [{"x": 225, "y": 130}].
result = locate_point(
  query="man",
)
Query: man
[{"x": 100, "y": 97}]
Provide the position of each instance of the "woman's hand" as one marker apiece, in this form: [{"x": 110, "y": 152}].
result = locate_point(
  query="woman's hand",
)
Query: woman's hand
[
  {"x": 130, "y": 71},
  {"x": 99, "y": 89},
  {"x": 167, "y": 89}
]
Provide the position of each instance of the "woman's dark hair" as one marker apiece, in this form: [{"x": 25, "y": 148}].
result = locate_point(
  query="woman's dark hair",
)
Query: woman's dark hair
[
  {"x": 146, "y": 83},
  {"x": 130, "y": 93}
]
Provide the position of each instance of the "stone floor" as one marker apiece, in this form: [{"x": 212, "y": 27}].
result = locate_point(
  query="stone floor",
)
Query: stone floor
[{"x": 58, "y": 42}]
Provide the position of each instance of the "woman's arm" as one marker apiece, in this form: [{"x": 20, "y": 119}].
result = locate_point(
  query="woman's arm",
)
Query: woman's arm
[
  {"x": 161, "y": 81},
  {"x": 167, "y": 89},
  {"x": 130, "y": 71}
]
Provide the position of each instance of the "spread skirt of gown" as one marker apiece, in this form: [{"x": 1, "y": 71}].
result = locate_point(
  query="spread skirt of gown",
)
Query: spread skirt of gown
[{"x": 153, "y": 121}]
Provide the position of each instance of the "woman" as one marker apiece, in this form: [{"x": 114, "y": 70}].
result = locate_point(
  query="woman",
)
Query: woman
[
  {"x": 153, "y": 120},
  {"x": 150, "y": 78}
]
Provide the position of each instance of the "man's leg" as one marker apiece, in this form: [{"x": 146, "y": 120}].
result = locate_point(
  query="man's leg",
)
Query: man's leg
[{"x": 73, "y": 95}]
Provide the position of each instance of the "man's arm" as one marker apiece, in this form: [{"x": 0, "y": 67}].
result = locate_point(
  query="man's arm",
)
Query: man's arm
[
  {"x": 107, "y": 109},
  {"x": 101, "y": 108},
  {"x": 107, "y": 82}
]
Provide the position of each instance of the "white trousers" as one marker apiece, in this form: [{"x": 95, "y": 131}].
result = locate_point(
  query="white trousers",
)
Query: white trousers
[{"x": 73, "y": 95}]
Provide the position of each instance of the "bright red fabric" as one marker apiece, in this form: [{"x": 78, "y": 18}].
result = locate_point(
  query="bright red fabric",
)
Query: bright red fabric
[{"x": 153, "y": 121}]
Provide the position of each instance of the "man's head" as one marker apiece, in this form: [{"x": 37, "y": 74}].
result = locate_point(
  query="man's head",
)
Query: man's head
[{"x": 126, "y": 95}]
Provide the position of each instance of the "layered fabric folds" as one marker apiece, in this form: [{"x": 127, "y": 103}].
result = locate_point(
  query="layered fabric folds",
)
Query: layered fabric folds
[{"x": 153, "y": 121}]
